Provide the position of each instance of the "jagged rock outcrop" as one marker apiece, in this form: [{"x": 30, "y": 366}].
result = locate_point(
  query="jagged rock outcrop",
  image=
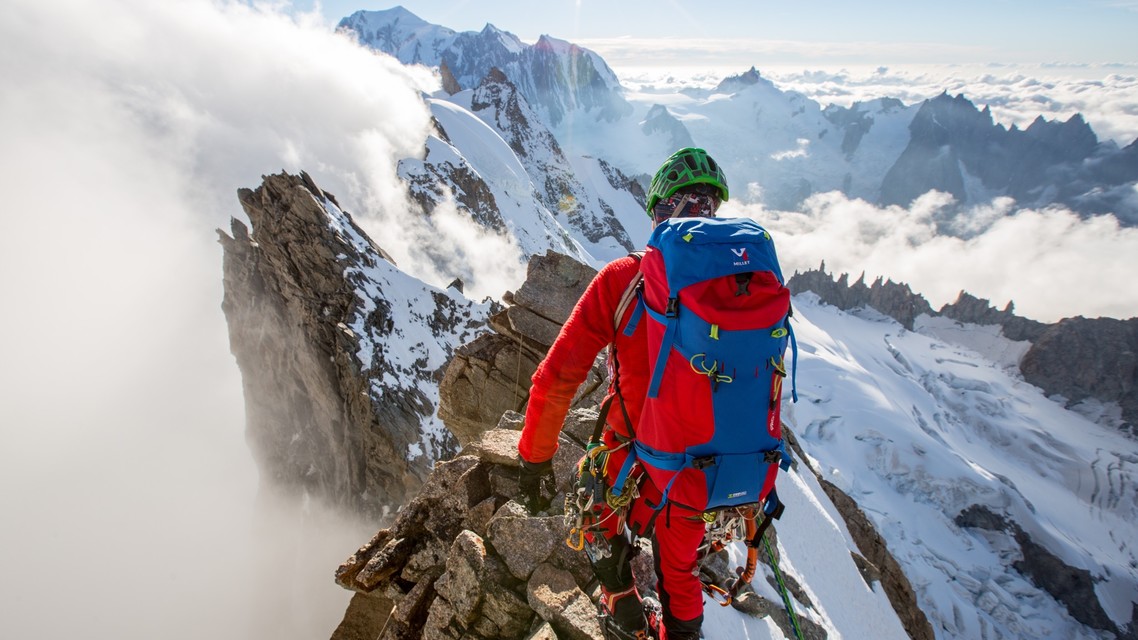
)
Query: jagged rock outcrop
[
  {"x": 970, "y": 309},
  {"x": 462, "y": 560},
  {"x": 895, "y": 300},
  {"x": 314, "y": 334},
  {"x": 490, "y": 375}
]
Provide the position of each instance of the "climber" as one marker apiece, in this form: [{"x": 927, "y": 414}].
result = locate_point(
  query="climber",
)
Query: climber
[{"x": 688, "y": 184}]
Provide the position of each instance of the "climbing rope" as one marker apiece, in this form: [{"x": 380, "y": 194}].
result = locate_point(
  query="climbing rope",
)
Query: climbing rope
[{"x": 782, "y": 589}]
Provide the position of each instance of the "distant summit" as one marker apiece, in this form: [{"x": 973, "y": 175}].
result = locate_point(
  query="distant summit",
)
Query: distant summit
[
  {"x": 555, "y": 76},
  {"x": 956, "y": 148},
  {"x": 735, "y": 83}
]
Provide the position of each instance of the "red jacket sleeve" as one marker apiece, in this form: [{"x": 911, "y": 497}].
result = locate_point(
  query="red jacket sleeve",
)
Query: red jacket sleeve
[{"x": 588, "y": 330}]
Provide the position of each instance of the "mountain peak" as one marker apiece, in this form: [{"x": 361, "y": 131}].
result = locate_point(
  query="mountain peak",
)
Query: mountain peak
[
  {"x": 732, "y": 84},
  {"x": 556, "y": 45}
]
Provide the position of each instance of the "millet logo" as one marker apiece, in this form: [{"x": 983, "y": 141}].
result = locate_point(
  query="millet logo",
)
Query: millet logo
[{"x": 743, "y": 258}]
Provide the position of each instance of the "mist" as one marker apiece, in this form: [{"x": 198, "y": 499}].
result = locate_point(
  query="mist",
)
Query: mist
[{"x": 129, "y": 497}]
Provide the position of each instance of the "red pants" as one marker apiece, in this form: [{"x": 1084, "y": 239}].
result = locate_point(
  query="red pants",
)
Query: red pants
[{"x": 676, "y": 533}]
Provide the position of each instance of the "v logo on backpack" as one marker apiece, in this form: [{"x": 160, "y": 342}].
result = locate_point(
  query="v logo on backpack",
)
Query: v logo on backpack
[{"x": 719, "y": 324}]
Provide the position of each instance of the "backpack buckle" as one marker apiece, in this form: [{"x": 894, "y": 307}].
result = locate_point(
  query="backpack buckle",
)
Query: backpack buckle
[
  {"x": 703, "y": 463},
  {"x": 673, "y": 308}
]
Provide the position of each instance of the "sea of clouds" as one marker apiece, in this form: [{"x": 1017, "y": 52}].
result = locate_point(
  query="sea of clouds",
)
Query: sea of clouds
[
  {"x": 1106, "y": 94},
  {"x": 1050, "y": 263},
  {"x": 126, "y": 487}
]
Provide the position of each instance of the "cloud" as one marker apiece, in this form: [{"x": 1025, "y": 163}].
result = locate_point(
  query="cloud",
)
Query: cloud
[
  {"x": 126, "y": 486},
  {"x": 1051, "y": 263}
]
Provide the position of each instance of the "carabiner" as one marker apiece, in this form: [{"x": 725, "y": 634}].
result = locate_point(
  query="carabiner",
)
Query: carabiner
[
  {"x": 717, "y": 593},
  {"x": 580, "y": 544}
]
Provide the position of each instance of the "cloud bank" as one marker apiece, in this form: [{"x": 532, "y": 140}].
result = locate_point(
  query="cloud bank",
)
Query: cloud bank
[
  {"x": 1050, "y": 263},
  {"x": 126, "y": 487}
]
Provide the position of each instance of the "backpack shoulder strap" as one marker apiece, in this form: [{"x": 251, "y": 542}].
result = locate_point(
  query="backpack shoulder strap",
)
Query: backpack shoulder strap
[
  {"x": 629, "y": 293},
  {"x": 626, "y": 299}
]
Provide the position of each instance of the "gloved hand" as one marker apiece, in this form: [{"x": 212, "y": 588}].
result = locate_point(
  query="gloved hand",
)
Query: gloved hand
[{"x": 536, "y": 485}]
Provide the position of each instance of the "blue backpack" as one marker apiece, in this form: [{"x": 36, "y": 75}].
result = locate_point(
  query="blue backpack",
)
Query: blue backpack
[{"x": 719, "y": 324}]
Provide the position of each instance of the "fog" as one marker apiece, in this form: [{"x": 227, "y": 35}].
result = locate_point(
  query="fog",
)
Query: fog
[{"x": 128, "y": 494}]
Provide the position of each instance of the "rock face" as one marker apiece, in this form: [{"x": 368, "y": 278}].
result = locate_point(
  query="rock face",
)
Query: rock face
[
  {"x": 895, "y": 300},
  {"x": 1073, "y": 587},
  {"x": 491, "y": 375},
  {"x": 314, "y": 335},
  {"x": 1076, "y": 358},
  {"x": 462, "y": 561},
  {"x": 1080, "y": 358}
]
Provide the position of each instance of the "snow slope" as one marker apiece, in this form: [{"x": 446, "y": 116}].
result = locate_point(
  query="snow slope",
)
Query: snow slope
[{"x": 916, "y": 429}]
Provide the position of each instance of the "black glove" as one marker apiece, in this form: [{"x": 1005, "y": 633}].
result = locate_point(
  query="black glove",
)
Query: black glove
[{"x": 536, "y": 485}]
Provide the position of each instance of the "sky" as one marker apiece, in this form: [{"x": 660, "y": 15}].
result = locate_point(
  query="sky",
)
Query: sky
[
  {"x": 821, "y": 32},
  {"x": 127, "y": 128}
]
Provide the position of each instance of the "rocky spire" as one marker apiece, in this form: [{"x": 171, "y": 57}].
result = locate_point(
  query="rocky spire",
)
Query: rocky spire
[{"x": 335, "y": 400}]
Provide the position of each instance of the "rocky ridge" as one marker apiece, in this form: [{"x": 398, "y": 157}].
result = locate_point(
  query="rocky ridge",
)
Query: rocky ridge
[
  {"x": 499, "y": 103},
  {"x": 463, "y": 560},
  {"x": 1105, "y": 349}
]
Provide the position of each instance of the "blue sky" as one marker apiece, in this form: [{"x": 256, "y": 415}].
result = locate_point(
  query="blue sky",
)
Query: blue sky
[{"x": 819, "y": 32}]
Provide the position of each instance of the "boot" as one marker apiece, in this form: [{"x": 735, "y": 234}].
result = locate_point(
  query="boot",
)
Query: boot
[
  {"x": 622, "y": 615},
  {"x": 682, "y": 629}
]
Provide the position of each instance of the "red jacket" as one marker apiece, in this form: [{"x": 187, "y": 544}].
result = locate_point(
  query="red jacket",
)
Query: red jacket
[{"x": 589, "y": 329}]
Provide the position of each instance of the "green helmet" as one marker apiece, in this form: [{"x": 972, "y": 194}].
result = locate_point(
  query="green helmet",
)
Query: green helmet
[{"x": 686, "y": 167}]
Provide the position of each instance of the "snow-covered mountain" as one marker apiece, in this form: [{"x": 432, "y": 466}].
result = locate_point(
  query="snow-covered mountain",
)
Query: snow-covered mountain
[
  {"x": 497, "y": 161},
  {"x": 780, "y": 147},
  {"x": 557, "y": 77},
  {"x": 925, "y": 431}
]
